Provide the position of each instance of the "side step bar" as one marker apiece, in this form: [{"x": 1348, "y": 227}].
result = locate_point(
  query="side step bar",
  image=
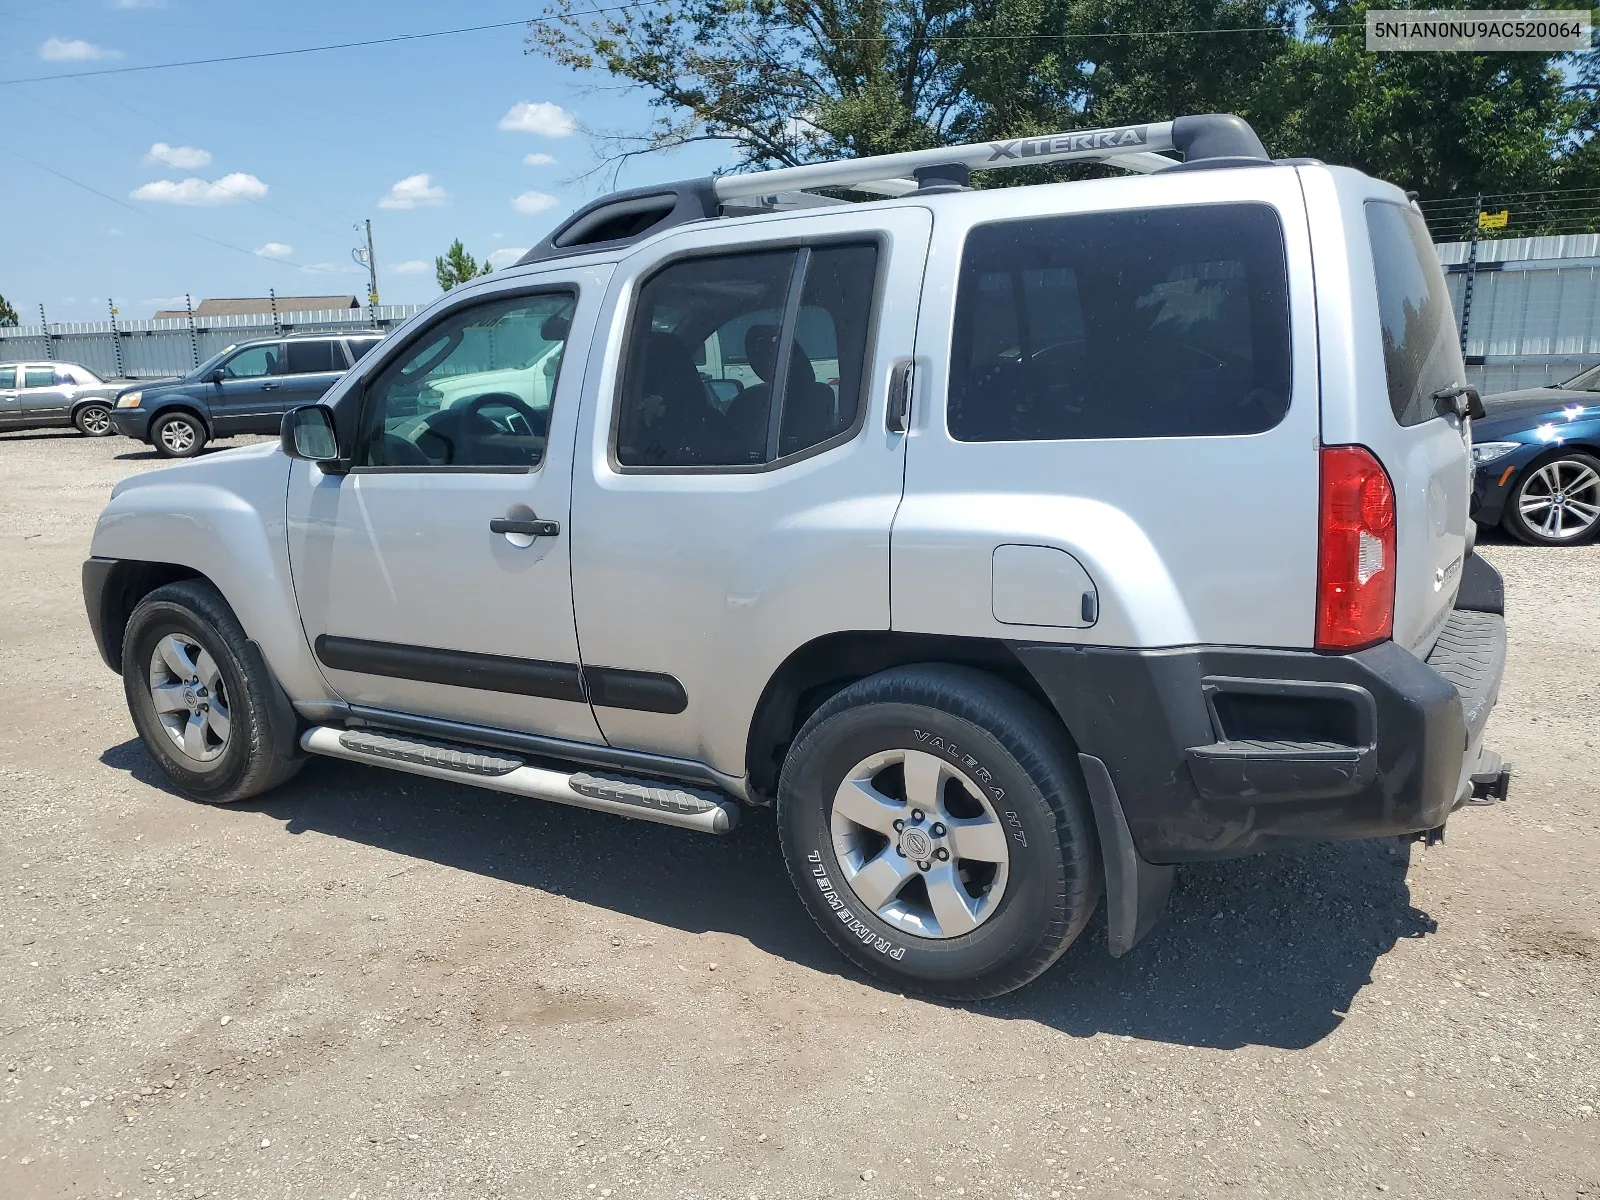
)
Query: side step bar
[{"x": 644, "y": 799}]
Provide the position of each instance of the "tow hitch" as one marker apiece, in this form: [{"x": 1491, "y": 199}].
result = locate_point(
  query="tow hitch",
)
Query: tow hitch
[{"x": 1491, "y": 786}]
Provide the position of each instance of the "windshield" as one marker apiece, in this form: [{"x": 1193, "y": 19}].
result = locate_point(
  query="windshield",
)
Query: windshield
[
  {"x": 1587, "y": 381},
  {"x": 211, "y": 363}
]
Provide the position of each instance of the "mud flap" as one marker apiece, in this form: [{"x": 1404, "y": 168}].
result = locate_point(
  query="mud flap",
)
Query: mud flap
[{"x": 1136, "y": 890}]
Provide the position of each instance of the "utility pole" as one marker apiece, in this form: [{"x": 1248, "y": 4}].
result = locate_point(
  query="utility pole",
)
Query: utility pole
[
  {"x": 367, "y": 258},
  {"x": 1472, "y": 271}
]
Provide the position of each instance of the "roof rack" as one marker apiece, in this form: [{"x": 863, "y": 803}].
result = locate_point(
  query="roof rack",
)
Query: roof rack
[{"x": 1215, "y": 139}]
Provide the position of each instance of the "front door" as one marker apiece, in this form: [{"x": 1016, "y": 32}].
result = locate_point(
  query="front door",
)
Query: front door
[
  {"x": 416, "y": 594},
  {"x": 728, "y": 510},
  {"x": 251, "y": 381}
]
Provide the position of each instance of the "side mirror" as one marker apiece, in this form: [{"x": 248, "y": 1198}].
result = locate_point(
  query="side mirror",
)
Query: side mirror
[
  {"x": 308, "y": 433},
  {"x": 218, "y": 375}
]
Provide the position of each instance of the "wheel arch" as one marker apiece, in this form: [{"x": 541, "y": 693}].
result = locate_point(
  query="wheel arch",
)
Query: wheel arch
[
  {"x": 84, "y": 401},
  {"x": 821, "y": 667},
  {"x": 112, "y": 589},
  {"x": 184, "y": 405}
]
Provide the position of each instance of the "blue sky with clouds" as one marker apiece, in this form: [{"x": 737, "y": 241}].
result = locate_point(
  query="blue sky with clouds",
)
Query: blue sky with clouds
[{"x": 275, "y": 160}]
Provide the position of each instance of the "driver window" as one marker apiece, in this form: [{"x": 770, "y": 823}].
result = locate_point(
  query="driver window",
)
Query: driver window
[
  {"x": 252, "y": 363},
  {"x": 473, "y": 391}
]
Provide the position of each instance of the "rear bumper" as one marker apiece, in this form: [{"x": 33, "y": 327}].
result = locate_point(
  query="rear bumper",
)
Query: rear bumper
[{"x": 1217, "y": 752}]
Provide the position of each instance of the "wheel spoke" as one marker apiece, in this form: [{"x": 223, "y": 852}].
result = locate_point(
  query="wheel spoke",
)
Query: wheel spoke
[
  {"x": 1551, "y": 521},
  {"x": 880, "y": 880},
  {"x": 925, "y": 777},
  {"x": 981, "y": 838},
  {"x": 1587, "y": 511},
  {"x": 176, "y": 656},
  {"x": 206, "y": 667},
  {"x": 168, "y": 697},
  {"x": 217, "y": 718},
  {"x": 194, "y": 737},
  {"x": 952, "y": 907},
  {"x": 862, "y": 803}
]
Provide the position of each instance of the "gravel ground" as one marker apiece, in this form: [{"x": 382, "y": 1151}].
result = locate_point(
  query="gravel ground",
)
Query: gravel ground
[{"x": 370, "y": 984}]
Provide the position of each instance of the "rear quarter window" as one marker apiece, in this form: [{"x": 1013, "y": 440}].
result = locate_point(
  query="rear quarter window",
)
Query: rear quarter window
[
  {"x": 1169, "y": 322},
  {"x": 1421, "y": 347}
]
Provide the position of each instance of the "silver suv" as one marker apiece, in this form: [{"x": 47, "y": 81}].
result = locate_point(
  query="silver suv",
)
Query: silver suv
[{"x": 1017, "y": 545}]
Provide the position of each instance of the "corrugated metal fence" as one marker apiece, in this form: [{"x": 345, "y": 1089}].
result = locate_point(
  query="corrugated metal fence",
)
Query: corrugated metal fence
[{"x": 157, "y": 349}]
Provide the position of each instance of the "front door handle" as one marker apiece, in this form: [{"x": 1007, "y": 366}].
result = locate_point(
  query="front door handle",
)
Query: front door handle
[
  {"x": 269, "y": 387},
  {"x": 528, "y": 527}
]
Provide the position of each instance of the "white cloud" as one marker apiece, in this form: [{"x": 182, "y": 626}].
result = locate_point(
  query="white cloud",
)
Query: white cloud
[
  {"x": 138, "y": 3},
  {"x": 537, "y": 160},
  {"x": 74, "y": 50},
  {"x": 227, "y": 190},
  {"x": 185, "y": 158},
  {"x": 541, "y": 117},
  {"x": 533, "y": 202},
  {"x": 506, "y": 255},
  {"x": 276, "y": 250},
  {"x": 325, "y": 268},
  {"x": 114, "y": 231},
  {"x": 163, "y": 302},
  {"x": 414, "y": 191},
  {"x": 412, "y": 266}
]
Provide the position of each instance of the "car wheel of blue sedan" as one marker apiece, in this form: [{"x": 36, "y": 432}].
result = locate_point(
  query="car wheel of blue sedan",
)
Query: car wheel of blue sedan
[{"x": 1557, "y": 502}]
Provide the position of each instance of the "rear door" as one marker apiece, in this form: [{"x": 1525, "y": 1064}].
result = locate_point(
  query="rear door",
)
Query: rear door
[
  {"x": 10, "y": 399},
  {"x": 1391, "y": 342},
  {"x": 1115, "y": 426},
  {"x": 311, "y": 367},
  {"x": 46, "y": 395}
]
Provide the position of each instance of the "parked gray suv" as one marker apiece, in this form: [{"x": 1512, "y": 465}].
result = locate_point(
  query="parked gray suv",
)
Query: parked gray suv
[{"x": 1018, "y": 545}]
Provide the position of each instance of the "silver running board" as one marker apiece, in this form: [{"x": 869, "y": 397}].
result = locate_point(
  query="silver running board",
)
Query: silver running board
[{"x": 643, "y": 799}]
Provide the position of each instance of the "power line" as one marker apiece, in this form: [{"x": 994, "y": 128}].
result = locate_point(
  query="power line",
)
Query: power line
[{"x": 383, "y": 41}]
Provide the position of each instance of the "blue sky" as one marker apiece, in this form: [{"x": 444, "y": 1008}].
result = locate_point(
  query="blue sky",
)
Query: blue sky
[{"x": 432, "y": 139}]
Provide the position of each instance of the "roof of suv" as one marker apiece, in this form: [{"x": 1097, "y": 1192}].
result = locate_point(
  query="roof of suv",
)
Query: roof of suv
[{"x": 626, "y": 217}]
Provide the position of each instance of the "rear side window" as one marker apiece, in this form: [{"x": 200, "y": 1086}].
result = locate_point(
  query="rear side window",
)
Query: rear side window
[
  {"x": 38, "y": 377},
  {"x": 1421, "y": 348},
  {"x": 1170, "y": 322},
  {"x": 740, "y": 360},
  {"x": 359, "y": 346},
  {"x": 306, "y": 358}
]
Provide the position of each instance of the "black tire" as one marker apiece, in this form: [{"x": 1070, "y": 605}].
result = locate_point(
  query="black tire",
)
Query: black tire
[
  {"x": 994, "y": 733},
  {"x": 93, "y": 419},
  {"x": 1576, "y": 467},
  {"x": 178, "y": 435},
  {"x": 250, "y": 760}
]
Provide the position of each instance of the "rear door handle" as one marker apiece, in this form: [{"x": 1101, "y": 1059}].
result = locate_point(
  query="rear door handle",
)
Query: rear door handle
[{"x": 528, "y": 527}]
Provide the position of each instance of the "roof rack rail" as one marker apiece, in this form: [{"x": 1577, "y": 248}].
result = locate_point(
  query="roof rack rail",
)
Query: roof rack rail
[{"x": 624, "y": 217}]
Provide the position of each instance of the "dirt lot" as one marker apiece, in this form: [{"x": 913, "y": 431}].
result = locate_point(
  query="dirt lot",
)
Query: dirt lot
[{"x": 369, "y": 984}]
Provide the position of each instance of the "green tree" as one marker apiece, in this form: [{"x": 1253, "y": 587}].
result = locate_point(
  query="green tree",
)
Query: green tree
[
  {"x": 8, "y": 315},
  {"x": 455, "y": 266},
  {"x": 790, "y": 81}
]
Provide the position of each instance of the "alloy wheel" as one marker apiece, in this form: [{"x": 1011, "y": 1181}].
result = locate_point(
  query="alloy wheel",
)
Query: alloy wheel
[
  {"x": 178, "y": 436},
  {"x": 919, "y": 843},
  {"x": 1561, "y": 500},
  {"x": 94, "y": 420},
  {"x": 191, "y": 698}
]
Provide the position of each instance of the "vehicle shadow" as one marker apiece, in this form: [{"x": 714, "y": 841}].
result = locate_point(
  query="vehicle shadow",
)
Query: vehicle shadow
[
  {"x": 1268, "y": 950},
  {"x": 46, "y": 434}
]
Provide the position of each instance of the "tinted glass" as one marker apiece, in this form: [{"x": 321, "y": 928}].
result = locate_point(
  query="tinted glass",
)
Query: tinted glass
[
  {"x": 8, "y": 377},
  {"x": 1421, "y": 346},
  {"x": 253, "y": 362},
  {"x": 473, "y": 391},
  {"x": 670, "y": 413},
  {"x": 1158, "y": 323},
  {"x": 702, "y": 383},
  {"x": 39, "y": 377},
  {"x": 359, "y": 346},
  {"x": 306, "y": 358}
]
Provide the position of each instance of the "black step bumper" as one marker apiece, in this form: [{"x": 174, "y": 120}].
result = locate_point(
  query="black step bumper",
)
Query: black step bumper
[{"x": 1217, "y": 752}]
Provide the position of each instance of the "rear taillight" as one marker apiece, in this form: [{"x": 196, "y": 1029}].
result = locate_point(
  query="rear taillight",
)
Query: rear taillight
[{"x": 1356, "y": 558}]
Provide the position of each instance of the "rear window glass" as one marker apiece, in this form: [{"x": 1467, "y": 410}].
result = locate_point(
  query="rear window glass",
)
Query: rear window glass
[
  {"x": 306, "y": 358},
  {"x": 1170, "y": 322},
  {"x": 1421, "y": 347}
]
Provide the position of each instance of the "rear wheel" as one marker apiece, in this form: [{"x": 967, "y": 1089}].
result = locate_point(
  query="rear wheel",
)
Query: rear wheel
[
  {"x": 178, "y": 435},
  {"x": 93, "y": 420},
  {"x": 199, "y": 708},
  {"x": 1556, "y": 503},
  {"x": 932, "y": 825}
]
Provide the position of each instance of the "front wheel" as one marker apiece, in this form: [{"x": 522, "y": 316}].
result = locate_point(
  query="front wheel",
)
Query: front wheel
[
  {"x": 200, "y": 704},
  {"x": 178, "y": 436},
  {"x": 93, "y": 420},
  {"x": 935, "y": 831},
  {"x": 1556, "y": 503}
]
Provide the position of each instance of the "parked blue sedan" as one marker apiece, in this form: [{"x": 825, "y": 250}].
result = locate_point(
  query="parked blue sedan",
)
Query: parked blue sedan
[{"x": 1536, "y": 454}]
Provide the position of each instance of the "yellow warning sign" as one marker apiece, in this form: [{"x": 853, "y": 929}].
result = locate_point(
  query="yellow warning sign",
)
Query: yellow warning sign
[{"x": 1494, "y": 220}]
